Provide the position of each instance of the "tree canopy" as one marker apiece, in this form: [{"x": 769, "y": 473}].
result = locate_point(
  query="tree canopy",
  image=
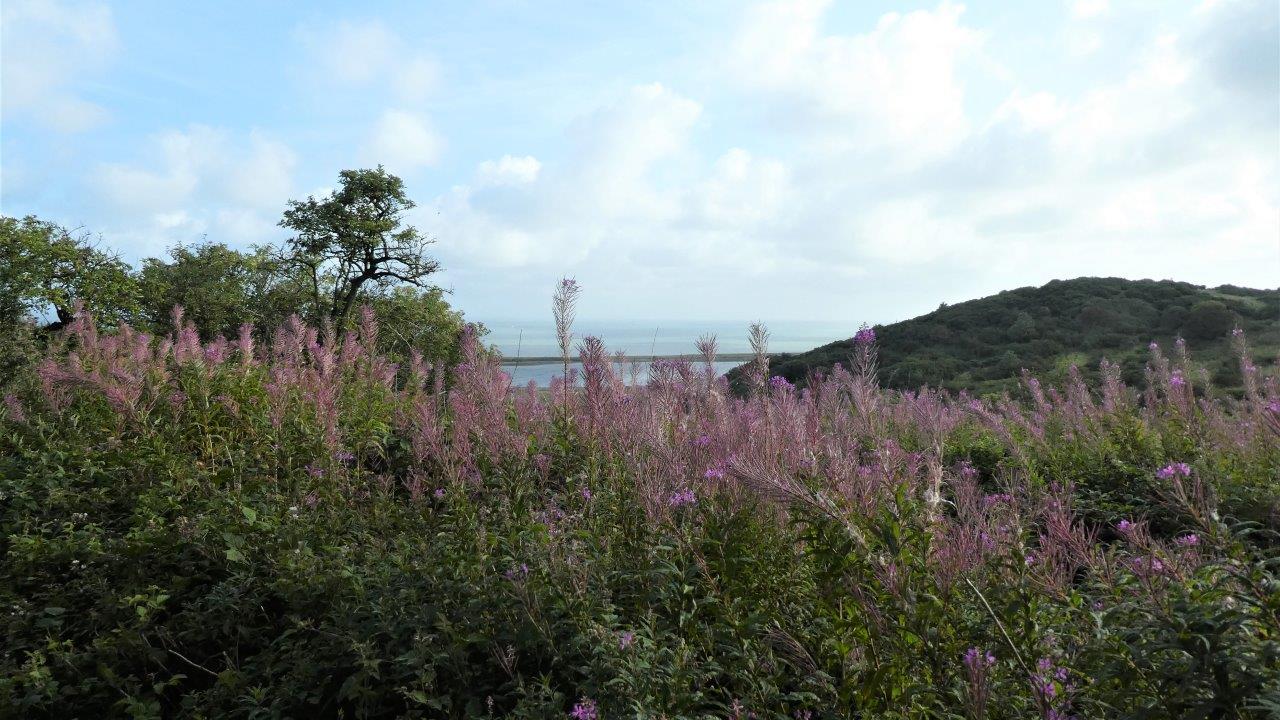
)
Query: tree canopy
[
  {"x": 353, "y": 239},
  {"x": 46, "y": 269}
]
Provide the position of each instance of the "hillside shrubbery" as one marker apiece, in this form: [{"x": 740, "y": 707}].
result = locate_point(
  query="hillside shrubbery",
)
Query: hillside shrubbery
[
  {"x": 983, "y": 345},
  {"x": 300, "y": 528}
]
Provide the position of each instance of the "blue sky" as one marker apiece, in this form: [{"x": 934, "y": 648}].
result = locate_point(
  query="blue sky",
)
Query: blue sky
[{"x": 713, "y": 160}]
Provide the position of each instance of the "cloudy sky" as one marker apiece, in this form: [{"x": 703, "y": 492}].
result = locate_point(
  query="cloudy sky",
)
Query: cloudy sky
[{"x": 712, "y": 160}]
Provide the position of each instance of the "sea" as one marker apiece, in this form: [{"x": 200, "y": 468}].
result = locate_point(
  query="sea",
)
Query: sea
[{"x": 524, "y": 339}]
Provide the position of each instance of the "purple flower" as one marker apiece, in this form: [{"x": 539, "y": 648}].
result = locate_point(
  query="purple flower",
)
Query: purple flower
[
  {"x": 996, "y": 499},
  {"x": 967, "y": 470},
  {"x": 315, "y": 471},
  {"x": 714, "y": 473},
  {"x": 1147, "y": 566},
  {"x": 1190, "y": 540},
  {"x": 1176, "y": 380},
  {"x": 1125, "y": 527},
  {"x": 1154, "y": 346},
  {"x": 779, "y": 383},
  {"x": 865, "y": 335},
  {"x": 1274, "y": 406},
  {"x": 973, "y": 657},
  {"x": 343, "y": 456},
  {"x": 1172, "y": 470},
  {"x": 702, "y": 440},
  {"x": 1237, "y": 332},
  {"x": 681, "y": 498},
  {"x": 585, "y": 709},
  {"x": 625, "y": 639}
]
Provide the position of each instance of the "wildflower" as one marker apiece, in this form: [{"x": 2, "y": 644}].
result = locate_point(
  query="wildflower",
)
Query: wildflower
[
  {"x": 1030, "y": 559},
  {"x": 1176, "y": 380},
  {"x": 779, "y": 383},
  {"x": 865, "y": 335},
  {"x": 996, "y": 499},
  {"x": 1237, "y": 332},
  {"x": 439, "y": 493},
  {"x": 714, "y": 473},
  {"x": 585, "y": 709},
  {"x": 14, "y": 407},
  {"x": 682, "y": 498},
  {"x": 517, "y": 572},
  {"x": 625, "y": 639},
  {"x": 1124, "y": 526},
  {"x": 1190, "y": 540},
  {"x": 311, "y": 500},
  {"x": 1168, "y": 472},
  {"x": 1147, "y": 565},
  {"x": 343, "y": 456},
  {"x": 702, "y": 440},
  {"x": 315, "y": 470},
  {"x": 586, "y": 493},
  {"x": 1154, "y": 346},
  {"x": 967, "y": 470},
  {"x": 973, "y": 657}
]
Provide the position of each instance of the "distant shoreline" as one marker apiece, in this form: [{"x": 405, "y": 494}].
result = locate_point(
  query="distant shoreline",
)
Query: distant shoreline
[{"x": 555, "y": 360}]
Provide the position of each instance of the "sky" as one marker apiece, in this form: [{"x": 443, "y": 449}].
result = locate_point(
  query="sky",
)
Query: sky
[{"x": 810, "y": 160}]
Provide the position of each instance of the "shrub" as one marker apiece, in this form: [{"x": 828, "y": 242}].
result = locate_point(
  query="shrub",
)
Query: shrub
[{"x": 302, "y": 528}]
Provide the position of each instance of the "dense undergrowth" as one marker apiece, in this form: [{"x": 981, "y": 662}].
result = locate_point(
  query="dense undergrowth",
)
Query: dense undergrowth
[{"x": 304, "y": 530}]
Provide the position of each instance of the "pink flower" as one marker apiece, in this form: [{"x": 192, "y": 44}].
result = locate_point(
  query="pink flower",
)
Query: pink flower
[
  {"x": 585, "y": 709},
  {"x": 681, "y": 498},
  {"x": 1168, "y": 472}
]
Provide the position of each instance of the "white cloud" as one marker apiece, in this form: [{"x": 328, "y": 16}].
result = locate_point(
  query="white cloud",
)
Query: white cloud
[
  {"x": 1087, "y": 9},
  {"x": 48, "y": 47},
  {"x": 368, "y": 55},
  {"x": 403, "y": 141},
  {"x": 896, "y": 86},
  {"x": 508, "y": 171},
  {"x": 201, "y": 180}
]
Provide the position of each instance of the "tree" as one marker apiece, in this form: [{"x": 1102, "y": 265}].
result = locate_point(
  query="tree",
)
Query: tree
[
  {"x": 413, "y": 319},
  {"x": 353, "y": 241},
  {"x": 46, "y": 270},
  {"x": 1209, "y": 320},
  {"x": 1023, "y": 328},
  {"x": 211, "y": 281}
]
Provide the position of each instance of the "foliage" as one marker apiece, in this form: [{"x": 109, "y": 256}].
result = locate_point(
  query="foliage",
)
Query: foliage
[
  {"x": 46, "y": 268},
  {"x": 300, "y": 528},
  {"x": 219, "y": 287},
  {"x": 354, "y": 239},
  {"x": 982, "y": 345}
]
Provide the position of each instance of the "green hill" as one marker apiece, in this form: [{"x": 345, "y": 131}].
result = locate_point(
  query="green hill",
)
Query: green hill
[{"x": 981, "y": 345}]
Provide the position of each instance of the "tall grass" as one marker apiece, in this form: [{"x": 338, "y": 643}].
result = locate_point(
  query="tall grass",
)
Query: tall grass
[{"x": 301, "y": 528}]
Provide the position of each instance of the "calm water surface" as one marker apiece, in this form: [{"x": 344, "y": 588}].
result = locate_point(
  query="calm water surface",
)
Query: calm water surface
[{"x": 537, "y": 339}]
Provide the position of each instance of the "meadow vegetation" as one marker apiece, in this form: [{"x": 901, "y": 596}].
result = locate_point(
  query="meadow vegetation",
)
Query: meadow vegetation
[{"x": 292, "y": 524}]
